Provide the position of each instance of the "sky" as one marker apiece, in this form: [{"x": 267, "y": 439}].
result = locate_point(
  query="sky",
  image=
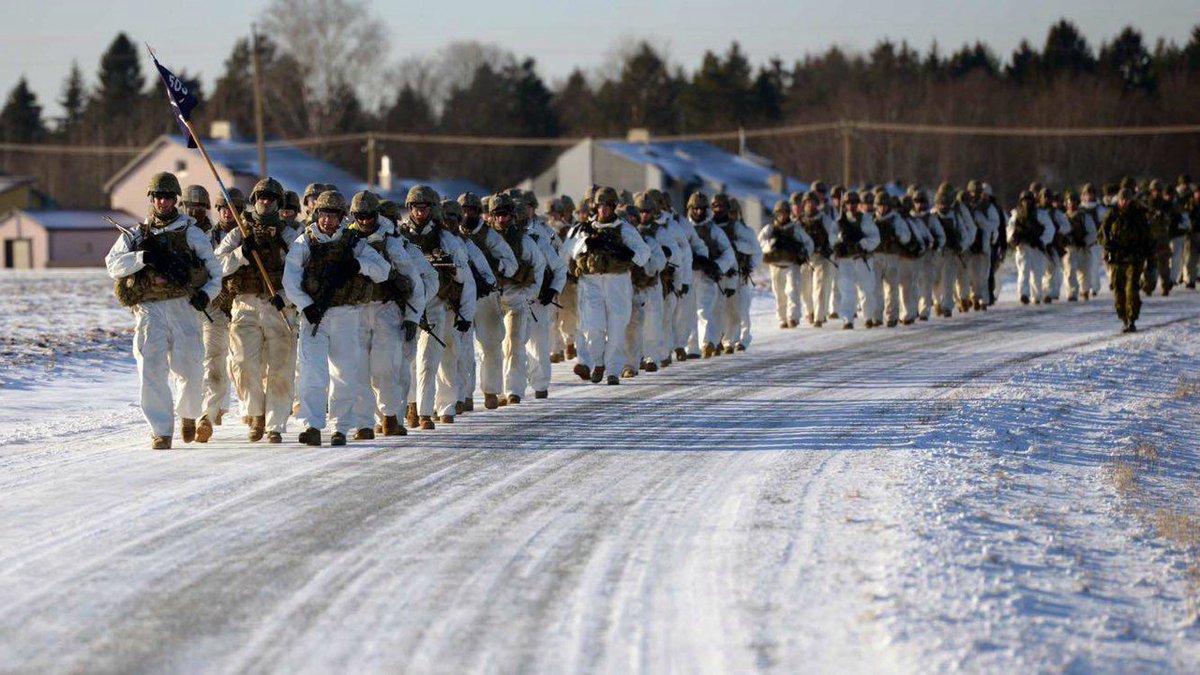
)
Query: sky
[{"x": 39, "y": 39}]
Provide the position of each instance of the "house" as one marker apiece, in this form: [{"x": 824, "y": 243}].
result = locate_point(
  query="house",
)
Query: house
[
  {"x": 20, "y": 192},
  {"x": 41, "y": 238},
  {"x": 236, "y": 161},
  {"x": 677, "y": 168}
]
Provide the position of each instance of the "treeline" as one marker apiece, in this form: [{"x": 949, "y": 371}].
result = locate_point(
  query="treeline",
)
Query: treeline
[{"x": 471, "y": 88}]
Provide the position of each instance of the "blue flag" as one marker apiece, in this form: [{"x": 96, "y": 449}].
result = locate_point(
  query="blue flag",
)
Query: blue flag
[{"x": 181, "y": 99}]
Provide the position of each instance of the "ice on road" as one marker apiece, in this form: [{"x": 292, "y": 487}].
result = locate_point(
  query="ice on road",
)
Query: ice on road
[{"x": 931, "y": 498}]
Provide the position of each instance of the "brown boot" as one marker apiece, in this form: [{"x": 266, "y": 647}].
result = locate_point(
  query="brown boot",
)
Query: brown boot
[
  {"x": 792, "y": 323},
  {"x": 220, "y": 416},
  {"x": 458, "y": 407},
  {"x": 729, "y": 349},
  {"x": 468, "y": 404},
  {"x": 628, "y": 372},
  {"x": 426, "y": 423},
  {"x": 739, "y": 347},
  {"x": 598, "y": 374},
  {"x": 571, "y": 353},
  {"x": 513, "y": 399},
  {"x": 650, "y": 367},
  {"x": 613, "y": 379},
  {"x": 391, "y": 427},
  {"x": 710, "y": 350},
  {"x": 410, "y": 417},
  {"x": 274, "y": 437},
  {"x": 364, "y": 434},
  {"x": 204, "y": 430},
  {"x": 447, "y": 419},
  {"x": 161, "y": 443},
  {"x": 582, "y": 371},
  {"x": 188, "y": 429},
  {"x": 543, "y": 393},
  {"x": 258, "y": 427},
  {"x": 310, "y": 436},
  {"x": 664, "y": 364},
  {"x": 490, "y": 402},
  {"x": 681, "y": 355},
  {"x": 556, "y": 357}
]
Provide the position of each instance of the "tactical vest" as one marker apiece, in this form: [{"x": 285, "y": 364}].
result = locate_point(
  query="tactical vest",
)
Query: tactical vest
[
  {"x": 247, "y": 280},
  {"x": 851, "y": 233},
  {"x": 815, "y": 227},
  {"x": 602, "y": 259},
  {"x": 1027, "y": 229},
  {"x": 479, "y": 237},
  {"x": 889, "y": 242},
  {"x": 744, "y": 261},
  {"x": 322, "y": 257},
  {"x": 637, "y": 275},
  {"x": 977, "y": 245},
  {"x": 1078, "y": 234},
  {"x": 524, "y": 277},
  {"x": 147, "y": 285},
  {"x": 706, "y": 236},
  {"x": 780, "y": 255},
  {"x": 362, "y": 285},
  {"x": 954, "y": 240}
]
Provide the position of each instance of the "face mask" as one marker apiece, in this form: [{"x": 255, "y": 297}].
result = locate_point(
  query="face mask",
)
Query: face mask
[{"x": 267, "y": 209}]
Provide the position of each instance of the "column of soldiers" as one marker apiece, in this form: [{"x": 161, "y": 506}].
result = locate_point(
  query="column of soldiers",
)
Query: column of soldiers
[{"x": 367, "y": 317}]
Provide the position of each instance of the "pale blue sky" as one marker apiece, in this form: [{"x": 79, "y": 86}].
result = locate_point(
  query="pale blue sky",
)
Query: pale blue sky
[{"x": 40, "y": 38}]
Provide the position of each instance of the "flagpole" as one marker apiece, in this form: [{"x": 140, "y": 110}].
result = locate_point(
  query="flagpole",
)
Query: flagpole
[{"x": 237, "y": 217}]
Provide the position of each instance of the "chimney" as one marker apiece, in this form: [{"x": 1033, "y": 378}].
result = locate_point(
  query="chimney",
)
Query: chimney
[
  {"x": 638, "y": 136},
  {"x": 221, "y": 130},
  {"x": 777, "y": 182},
  {"x": 385, "y": 174}
]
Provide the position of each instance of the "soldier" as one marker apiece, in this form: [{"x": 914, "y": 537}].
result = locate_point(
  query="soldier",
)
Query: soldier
[
  {"x": 262, "y": 346},
  {"x": 975, "y": 287},
  {"x": 677, "y": 279},
  {"x": 959, "y": 235},
  {"x": 785, "y": 248},
  {"x": 749, "y": 256},
  {"x": 566, "y": 328},
  {"x": 1029, "y": 233},
  {"x": 319, "y": 278},
  {"x": 999, "y": 247},
  {"x": 929, "y": 266},
  {"x": 644, "y": 340},
  {"x": 216, "y": 332},
  {"x": 453, "y": 309},
  {"x": 485, "y": 285},
  {"x": 1192, "y": 266},
  {"x": 604, "y": 254},
  {"x": 503, "y": 262},
  {"x": 816, "y": 276},
  {"x": 1127, "y": 242},
  {"x": 893, "y": 262},
  {"x": 554, "y": 278},
  {"x": 685, "y": 328},
  {"x": 166, "y": 272},
  {"x": 713, "y": 269},
  {"x": 1079, "y": 241},
  {"x": 501, "y": 317},
  {"x": 857, "y": 239},
  {"x": 389, "y": 216},
  {"x": 1096, "y": 211}
]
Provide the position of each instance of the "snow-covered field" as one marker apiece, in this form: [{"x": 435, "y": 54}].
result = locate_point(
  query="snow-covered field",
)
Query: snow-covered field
[{"x": 1010, "y": 491}]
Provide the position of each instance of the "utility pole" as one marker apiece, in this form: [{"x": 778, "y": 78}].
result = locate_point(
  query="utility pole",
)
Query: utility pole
[
  {"x": 847, "y": 131},
  {"x": 370, "y": 161},
  {"x": 258, "y": 104}
]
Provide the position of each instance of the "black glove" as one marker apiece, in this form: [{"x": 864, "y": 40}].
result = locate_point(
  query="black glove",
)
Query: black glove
[
  {"x": 462, "y": 325},
  {"x": 199, "y": 300},
  {"x": 277, "y": 302},
  {"x": 624, "y": 253},
  {"x": 248, "y": 245},
  {"x": 546, "y": 296},
  {"x": 351, "y": 267},
  {"x": 728, "y": 292},
  {"x": 313, "y": 315},
  {"x": 410, "y": 330},
  {"x": 685, "y": 289},
  {"x": 666, "y": 251}
]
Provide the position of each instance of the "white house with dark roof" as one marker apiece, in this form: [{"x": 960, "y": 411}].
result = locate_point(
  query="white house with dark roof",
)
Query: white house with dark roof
[
  {"x": 41, "y": 238},
  {"x": 677, "y": 168},
  {"x": 237, "y": 163}
]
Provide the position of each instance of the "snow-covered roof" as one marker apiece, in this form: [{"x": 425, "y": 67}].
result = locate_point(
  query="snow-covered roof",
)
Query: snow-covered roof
[
  {"x": 82, "y": 219},
  {"x": 9, "y": 182},
  {"x": 700, "y": 162}
]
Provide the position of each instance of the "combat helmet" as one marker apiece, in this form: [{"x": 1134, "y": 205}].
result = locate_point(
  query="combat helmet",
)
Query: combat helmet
[
  {"x": 196, "y": 195},
  {"x": 164, "y": 182}
]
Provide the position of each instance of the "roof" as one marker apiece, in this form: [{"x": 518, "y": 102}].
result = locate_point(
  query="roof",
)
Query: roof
[
  {"x": 700, "y": 162},
  {"x": 296, "y": 168},
  {"x": 92, "y": 219},
  {"x": 10, "y": 182}
]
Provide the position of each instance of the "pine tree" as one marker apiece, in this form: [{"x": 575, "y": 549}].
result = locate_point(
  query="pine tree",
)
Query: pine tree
[
  {"x": 1066, "y": 51},
  {"x": 21, "y": 117},
  {"x": 73, "y": 101}
]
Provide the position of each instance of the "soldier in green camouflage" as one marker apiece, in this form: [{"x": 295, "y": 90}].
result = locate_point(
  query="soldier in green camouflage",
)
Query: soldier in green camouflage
[{"x": 1128, "y": 243}]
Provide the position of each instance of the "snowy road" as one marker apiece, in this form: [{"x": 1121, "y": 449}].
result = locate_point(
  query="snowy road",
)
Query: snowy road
[{"x": 817, "y": 504}]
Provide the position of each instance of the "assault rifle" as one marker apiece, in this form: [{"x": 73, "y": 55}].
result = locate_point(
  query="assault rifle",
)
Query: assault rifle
[
  {"x": 425, "y": 326},
  {"x": 173, "y": 268}
]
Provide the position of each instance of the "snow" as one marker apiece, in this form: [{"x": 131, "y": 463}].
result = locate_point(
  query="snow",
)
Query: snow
[{"x": 926, "y": 499}]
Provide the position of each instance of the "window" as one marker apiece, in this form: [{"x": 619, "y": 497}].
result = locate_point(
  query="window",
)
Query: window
[{"x": 181, "y": 167}]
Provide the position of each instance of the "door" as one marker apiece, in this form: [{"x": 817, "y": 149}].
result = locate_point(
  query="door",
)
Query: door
[{"x": 18, "y": 254}]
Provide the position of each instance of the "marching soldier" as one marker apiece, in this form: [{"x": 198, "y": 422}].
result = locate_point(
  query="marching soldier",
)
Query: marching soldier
[
  {"x": 644, "y": 340},
  {"x": 503, "y": 262},
  {"x": 929, "y": 228},
  {"x": 604, "y": 255},
  {"x": 485, "y": 285},
  {"x": 975, "y": 289},
  {"x": 816, "y": 275},
  {"x": 1096, "y": 211},
  {"x": 1127, "y": 242},
  {"x": 959, "y": 235},
  {"x": 216, "y": 332},
  {"x": 1052, "y": 279},
  {"x": 893, "y": 262},
  {"x": 713, "y": 269},
  {"x": 554, "y": 278},
  {"x": 785, "y": 248},
  {"x": 687, "y": 340},
  {"x": 1080, "y": 240},
  {"x": 319, "y": 278},
  {"x": 566, "y": 325},
  {"x": 453, "y": 309},
  {"x": 262, "y": 346},
  {"x": 1029, "y": 233},
  {"x": 857, "y": 239},
  {"x": 749, "y": 256},
  {"x": 166, "y": 272}
]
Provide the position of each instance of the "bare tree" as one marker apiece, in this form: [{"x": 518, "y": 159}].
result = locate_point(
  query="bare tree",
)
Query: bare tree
[{"x": 335, "y": 43}]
